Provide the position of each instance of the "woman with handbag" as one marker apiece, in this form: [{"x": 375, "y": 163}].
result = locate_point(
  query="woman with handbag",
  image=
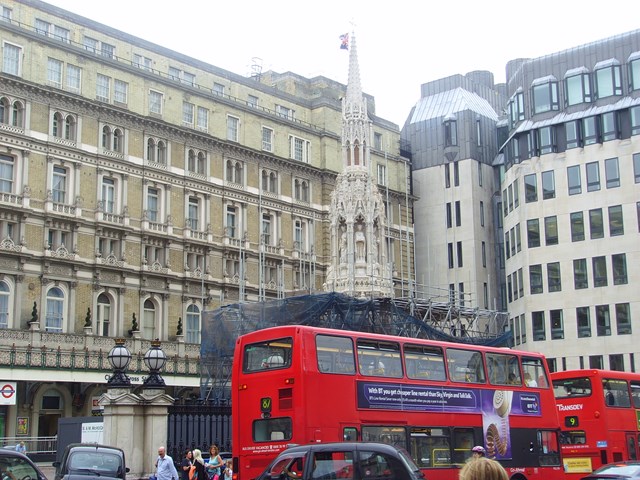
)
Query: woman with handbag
[{"x": 214, "y": 463}]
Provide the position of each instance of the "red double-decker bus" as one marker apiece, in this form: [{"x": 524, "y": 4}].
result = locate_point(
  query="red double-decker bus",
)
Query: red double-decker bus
[
  {"x": 599, "y": 413},
  {"x": 297, "y": 384}
]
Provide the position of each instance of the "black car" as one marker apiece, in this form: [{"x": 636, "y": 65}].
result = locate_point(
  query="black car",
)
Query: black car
[
  {"x": 15, "y": 465},
  {"x": 348, "y": 460},
  {"x": 81, "y": 461},
  {"x": 628, "y": 470}
]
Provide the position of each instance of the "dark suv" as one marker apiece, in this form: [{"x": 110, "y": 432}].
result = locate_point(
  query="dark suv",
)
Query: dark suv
[
  {"x": 348, "y": 460},
  {"x": 16, "y": 465},
  {"x": 82, "y": 460}
]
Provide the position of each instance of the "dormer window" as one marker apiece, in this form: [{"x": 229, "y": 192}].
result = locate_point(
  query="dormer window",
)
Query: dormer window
[
  {"x": 544, "y": 93},
  {"x": 608, "y": 78}
]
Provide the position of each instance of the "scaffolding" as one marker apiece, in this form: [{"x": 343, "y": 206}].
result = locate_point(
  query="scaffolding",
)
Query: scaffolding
[{"x": 406, "y": 317}]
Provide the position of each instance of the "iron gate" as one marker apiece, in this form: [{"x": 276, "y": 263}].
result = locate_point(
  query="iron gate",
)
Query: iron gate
[{"x": 199, "y": 426}]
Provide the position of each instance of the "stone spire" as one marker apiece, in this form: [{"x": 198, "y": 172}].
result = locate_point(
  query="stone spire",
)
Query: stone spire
[{"x": 359, "y": 264}]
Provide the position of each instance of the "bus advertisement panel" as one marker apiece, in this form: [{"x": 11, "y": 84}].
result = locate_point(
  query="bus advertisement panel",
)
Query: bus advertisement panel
[
  {"x": 599, "y": 413},
  {"x": 297, "y": 384}
]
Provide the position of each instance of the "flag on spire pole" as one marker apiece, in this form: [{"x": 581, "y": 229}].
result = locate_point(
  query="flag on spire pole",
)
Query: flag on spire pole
[{"x": 344, "y": 41}]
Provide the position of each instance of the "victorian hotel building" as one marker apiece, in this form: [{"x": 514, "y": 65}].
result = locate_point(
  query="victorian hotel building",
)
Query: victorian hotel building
[{"x": 139, "y": 187}]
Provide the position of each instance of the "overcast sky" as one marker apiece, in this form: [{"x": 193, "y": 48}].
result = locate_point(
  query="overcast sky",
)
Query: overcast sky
[{"x": 401, "y": 43}]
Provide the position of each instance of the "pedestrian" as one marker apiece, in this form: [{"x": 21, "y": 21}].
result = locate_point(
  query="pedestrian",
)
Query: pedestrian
[
  {"x": 21, "y": 448},
  {"x": 228, "y": 472},
  {"x": 198, "y": 462},
  {"x": 214, "y": 463},
  {"x": 186, "y": 463},
  {"x": 478, "y": 451},
  {"x": 165, "y": 468},
  {"x": 483, "y": 468}
]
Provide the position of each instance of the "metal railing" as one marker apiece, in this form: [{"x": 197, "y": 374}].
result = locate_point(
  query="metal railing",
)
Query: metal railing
[{"x": 33, "y": 445}]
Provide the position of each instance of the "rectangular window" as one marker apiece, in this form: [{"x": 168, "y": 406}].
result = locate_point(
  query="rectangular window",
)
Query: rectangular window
[
  {"x": 107, "y": 50},
  {"x": 450, "y": 133},
  {"x": 120, "y": 91},
  {"x": 458, "y": 214},
  {"x": 577, "y": 226},
  {"x": 616, "y": 222},
  {"x": 573, "y": 179},
  {"x": 546, "y": 140},
  {"x": 54, "y": 72},
  {"x": 202, "y": 119},
  {"x": 545, "y": 97},
  {"x": 481, "y": 213},
  {"x": 382, "y": 175},
  {"x": 218, "y": 88},
  {"x": 553, "y": 277},
  {"x": 520, "y": 282},
  {"x": 623, "y": 319},
  {"x": 155, "y": 102},
  {"x": 377, "y": 141},
  {"x": 187, "y": 114},
  {"x": 510, "y": 197},
  {"x": 619, "y": 267},
  {"x": 456, "y": 174},
  {"x": 636, "y": 167},
  {"x": 533, "y": 233},
  {"x": 252, "y": 101},
  {"x": 267, "y": 139},
  {"x": 484, "y": 254},
  {"x": 450, "y": 254},
  {"x": 448, "y": 215},
  {"x": 537, "y": 326},
  {"x": 530, "y": 188},
  {"x": 548, "y": 185},
  {"x": 479, "y": 174},
  {"x": 11, "y": 59},
  {"x": 596, "y": 224},
  {"x": 595, "y": 361},
  {"x": 535, "y": 279},
  {"x": 73, "y": 78},
  {"x": 557, "y": 325},
  {"x": 609, "y": 126},
  {"x": 284, "y": 112},
  {"x": 578, "y": 89},
  {"x": 140, "y": 61},
  {"x": 447, "y": 176},
  {"x": 232, "y": 128},
  {"x": 580, "y": 277},
  {"x": 635, "y": 120},
  {"x": 603, "y": 321},
  {"x": 193, "y": 213},
  {"x": 590, "y": 130},
  {"x": 572, "y": 134},
  {"x": 593, "y": 177},
  {"x": 599, "y": 265},
  {"x": 459, "y": 250},
  {"x": 153, "y": 197},
  {"x": 103, "y": 87},
  {"x": 583, "y": 320},
  {"x": 551, "y": 230},
  {"x": 634, "y": 74},
  {"x": 518, "y": 239},
  {"x": 59, "y": 185},
  {"x": 507, "y": 249},
  {"x": 612, "y": 172},
  {"x": 608, "y": 81}
]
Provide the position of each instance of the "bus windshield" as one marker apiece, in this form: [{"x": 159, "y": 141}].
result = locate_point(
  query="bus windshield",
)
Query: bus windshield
[
  {"x": 572, "y": 387},
  {"x": 267, "y": 355}
]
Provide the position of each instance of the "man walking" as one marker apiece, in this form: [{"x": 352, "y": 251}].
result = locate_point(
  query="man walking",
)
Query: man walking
[
  {"x": 165, "y": 468},
  {"x": 21, "y": 448}
]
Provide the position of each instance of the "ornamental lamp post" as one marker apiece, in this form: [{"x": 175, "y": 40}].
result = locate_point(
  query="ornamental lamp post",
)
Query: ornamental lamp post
[
  {"x": 119, "y": 358},
  {"x": 155, "y": 359}
]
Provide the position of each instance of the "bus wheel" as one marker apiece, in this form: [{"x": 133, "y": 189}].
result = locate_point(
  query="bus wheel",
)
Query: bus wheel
[{"x": 518, "y": 476}]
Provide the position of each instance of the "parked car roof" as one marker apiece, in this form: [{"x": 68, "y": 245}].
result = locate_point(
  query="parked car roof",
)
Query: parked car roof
[
  {"x": 19, "y": 464},
  {"x": 618, "y": 470}
]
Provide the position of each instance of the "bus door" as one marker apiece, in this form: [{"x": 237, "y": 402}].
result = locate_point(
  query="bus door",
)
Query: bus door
[{"x": 632, "y": 446}]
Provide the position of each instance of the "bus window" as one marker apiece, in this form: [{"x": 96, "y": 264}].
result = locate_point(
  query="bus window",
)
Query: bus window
[
  {"x": 424, "y": 362},
  {"x": 463, "y": 442},
  {"x": 534, "y": 373},
  {"x": 503, "y": 369},
  {"x": 430, "y": 447},
  {"x": 268, "y": 355},
  {"x": 572, "y": 387},
  {"x": 465, "y": 366},
  {"x": 616, "y": 393},
  {"x": 350, "y": 434},
  {"x": 335, "y": 354},
  {"x": 270, "y": 429},
  {"x": 391, "y": 435},
  {"x": 635, "y": 394},
  {"x": 379, "y": 359},
  {"x": 573, "y": 437},
  {"x": 549, "y": 448}
]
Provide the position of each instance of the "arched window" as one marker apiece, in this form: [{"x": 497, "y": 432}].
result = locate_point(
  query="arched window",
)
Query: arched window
[
  {"x": 70, "y": 128},
  {"x": 193, "y": 324},
  {"x": 273, "y": 185},
  {"x": 238, "y": 173},
  {"x": 118, "y": 138},
  {"x": 201, "y": 163},
  {"x": 149, "y": 320},
  {"x": 191, "y": 165},
  {"x": 229, "y": 174},
  {"x": 4, "y": 305},
  {"x": 103, "y": 315},
  {"x": 56, "y": 129},
  {"x": 54, "y": 310},
  {"x": 162, "y": 152},
  {"x": 52, "y": 400},
  {"x": 151, "y": 150},
  {"x": 4, "y": 110},
  {"x": 17, "y": 114},
  {"x": 106, "y": 137}
]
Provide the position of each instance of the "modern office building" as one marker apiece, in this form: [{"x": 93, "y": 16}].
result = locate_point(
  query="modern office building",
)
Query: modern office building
[
  {"x": 140, "y": 186},
  {"x": 565, "y": 229}
]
